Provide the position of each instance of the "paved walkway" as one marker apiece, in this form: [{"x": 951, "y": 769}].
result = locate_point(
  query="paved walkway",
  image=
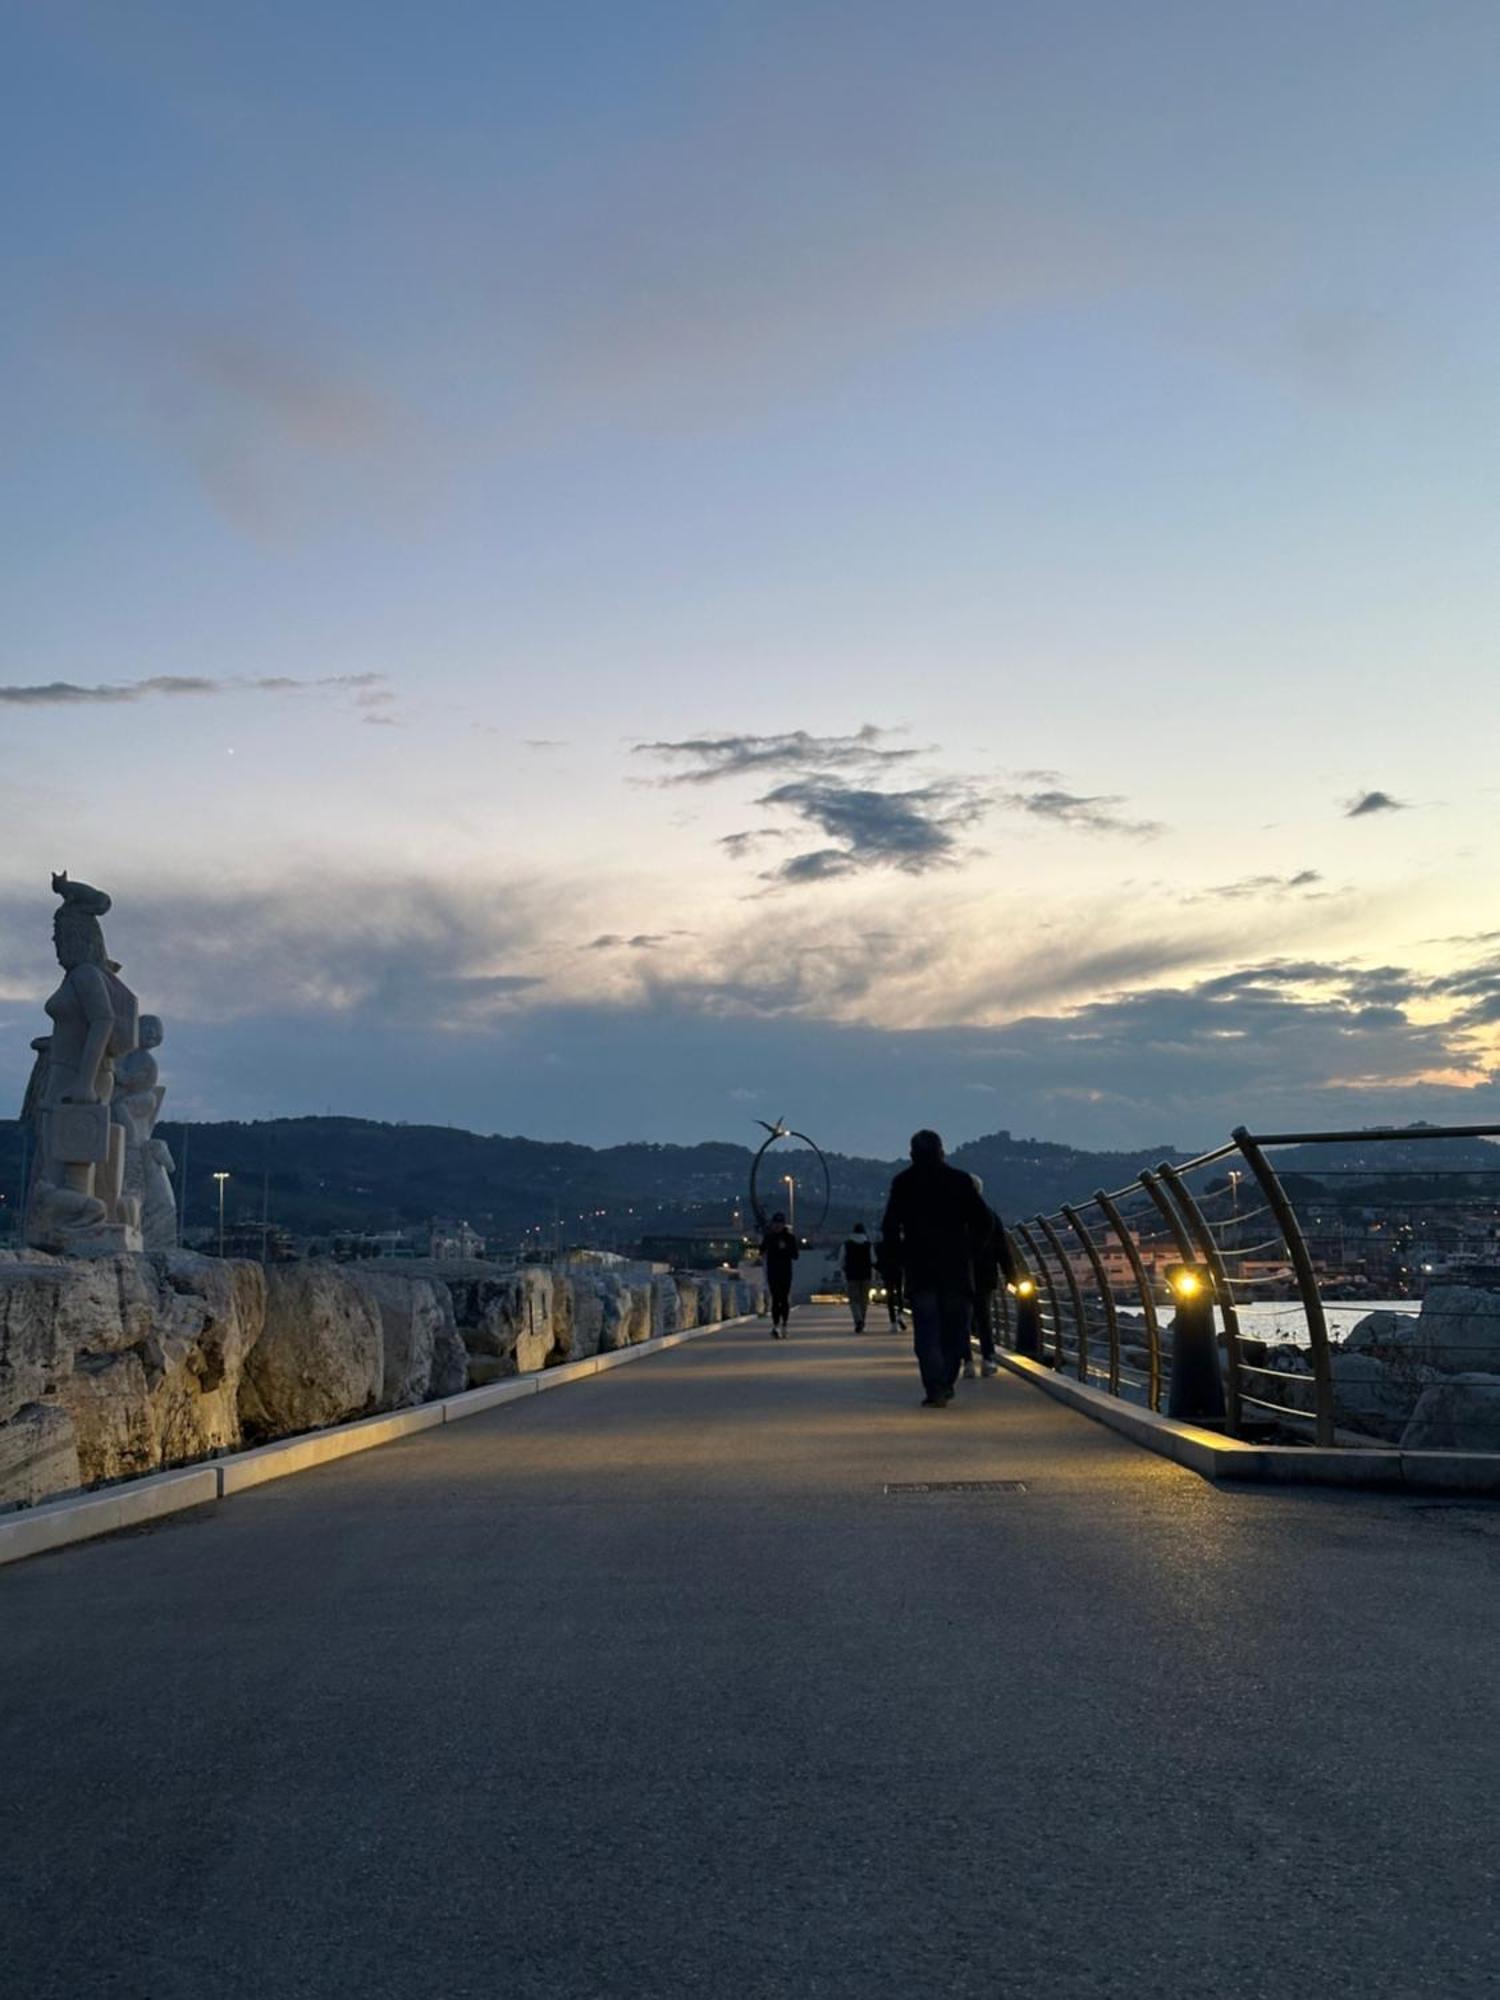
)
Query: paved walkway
[{"x": 649, "y": 1687}]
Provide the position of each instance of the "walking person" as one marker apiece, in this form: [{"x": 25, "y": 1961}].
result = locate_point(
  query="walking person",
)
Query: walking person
[
  {"x": 939, "y": 1222},
  {"x": 992, "y": 1261},
  {"x": 888, "y": 1264},
  {"x": 779, "y": 1251},
  {"x": 857, "y": 1263}
]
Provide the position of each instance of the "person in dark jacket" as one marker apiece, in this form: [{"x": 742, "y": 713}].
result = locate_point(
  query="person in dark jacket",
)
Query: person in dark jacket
[
  {"x": 888, "y": 1264},
  {"x": 939, "y": 1222},
  {"x": 857, "y": 1263},
  {"x": 993, "y": 1262},
  {"x": 779, "y": 1251}
]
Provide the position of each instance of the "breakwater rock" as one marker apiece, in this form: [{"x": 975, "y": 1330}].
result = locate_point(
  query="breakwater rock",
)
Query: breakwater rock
[{"x": 116, "y": 1366}]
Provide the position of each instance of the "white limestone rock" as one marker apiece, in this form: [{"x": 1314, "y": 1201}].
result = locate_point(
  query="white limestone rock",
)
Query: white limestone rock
[
  {"x": 508, "y": 1317},
  {"x": 414, "y": 1314},
  {"x": 586, "y": 1314},
  {"x": 38, "y": 1455},
  {"x": 687, "y": 1302},
  {"x": 663, "y": 1306},
  {"x": 1456, "y": 1413},
  {"x": 321, "y": 1357}
]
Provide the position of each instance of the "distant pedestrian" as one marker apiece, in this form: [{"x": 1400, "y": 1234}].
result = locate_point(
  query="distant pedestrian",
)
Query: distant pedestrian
[
  {"x": 939, "y": 1222},
  {"x": 992, "y": 1262},
  {"x": 779, "y": 1251},
  {"x": 888, "y": 1264},
  {"x": 858, "y": 1263}
]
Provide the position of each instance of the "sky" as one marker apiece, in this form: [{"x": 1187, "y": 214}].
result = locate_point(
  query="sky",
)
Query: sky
[{"x": 609, "y": 572}]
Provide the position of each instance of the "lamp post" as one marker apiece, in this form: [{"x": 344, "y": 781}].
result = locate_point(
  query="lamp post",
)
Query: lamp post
[
  {"x": 221, "y": 1177},
  {"x": 789, "y": 1181}
]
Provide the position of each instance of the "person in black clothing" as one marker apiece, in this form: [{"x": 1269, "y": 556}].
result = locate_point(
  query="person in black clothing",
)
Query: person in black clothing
[
  {"x": 779, "y": 1250},
  {"x": 993, "y": 1261},
  {"x": 858, "y": 1264},
  {"x": 939, "y": 1223},
  {"x": 888, "y": 1264}
]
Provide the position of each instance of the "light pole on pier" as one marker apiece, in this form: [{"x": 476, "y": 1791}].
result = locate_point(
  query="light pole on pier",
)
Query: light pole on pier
[
  {"x": 221, "y": 1177},
  {"x": 789, "y": 1181}
]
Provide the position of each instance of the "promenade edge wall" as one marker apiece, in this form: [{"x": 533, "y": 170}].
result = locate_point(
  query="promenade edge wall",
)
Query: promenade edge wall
[{"x": 118, "y": 1366}]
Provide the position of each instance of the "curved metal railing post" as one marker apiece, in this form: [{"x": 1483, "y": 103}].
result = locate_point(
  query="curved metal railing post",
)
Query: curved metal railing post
[
  {"x": 1039, "y": 1261},
  {"x": 1307, "y": 1278},
  {"x": 1107, "y": 1207},
  {"x": 1070, "y": 1276},
  {"x": 1106, "y": 1295},
  {"x": 1208, "y": 1249},
  {"x": 1172, "y": 1219}
]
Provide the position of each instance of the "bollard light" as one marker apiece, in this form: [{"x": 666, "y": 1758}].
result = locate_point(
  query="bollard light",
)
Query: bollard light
[
  {"x": 1195, "y": 1392},
  {"x": 1028, "y": 1317}
]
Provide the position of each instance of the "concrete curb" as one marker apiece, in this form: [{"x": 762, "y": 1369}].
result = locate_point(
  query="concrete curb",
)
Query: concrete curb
[
  {"x": 1221, "y": 1458},
  {"x": 81, "y": 1516}
]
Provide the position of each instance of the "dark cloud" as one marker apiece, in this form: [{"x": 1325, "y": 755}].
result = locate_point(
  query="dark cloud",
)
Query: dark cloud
[
  {"x": 913, "y": 831},
  {"x": 1372, "y": 802},
  {"x": 642, "y": 941},
  {"x": 707, "y": 759},
  {"x": 1088, "y": 814},
  {"x": 68, "y": 694}
]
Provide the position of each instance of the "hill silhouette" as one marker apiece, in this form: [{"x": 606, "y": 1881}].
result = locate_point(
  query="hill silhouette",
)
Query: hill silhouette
[{"x": 319, "y": 1175}]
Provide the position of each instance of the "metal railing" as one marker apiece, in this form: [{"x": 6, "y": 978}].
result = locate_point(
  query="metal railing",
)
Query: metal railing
[{"x": 1257, "y": 1260}]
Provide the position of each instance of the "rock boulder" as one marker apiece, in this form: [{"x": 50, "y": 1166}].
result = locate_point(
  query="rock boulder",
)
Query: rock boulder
[
  {"x": 1456, "y": 1413},
  {"x": 321, "y": 1357}
]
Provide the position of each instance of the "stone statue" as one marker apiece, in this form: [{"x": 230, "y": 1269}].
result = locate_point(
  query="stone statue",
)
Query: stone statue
[
  {"x": 148, "y": 1162},
  {"x": 77, "y": 1201}
]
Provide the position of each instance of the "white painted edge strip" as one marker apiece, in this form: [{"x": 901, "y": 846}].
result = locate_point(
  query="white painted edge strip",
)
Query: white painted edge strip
[
  {"x": 80, "y": 1516},
  {"x": 1216, "y": 1457},
  {"x": 83, "y": 1515}
]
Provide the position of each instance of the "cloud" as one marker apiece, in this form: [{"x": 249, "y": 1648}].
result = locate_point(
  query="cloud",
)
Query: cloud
[
  {"x": 70, "y": 694},
  {"x": 427, "y": 954},
  {"x": 913, "y": 831},
  {"x": 1088, "y": 814},
  {"x": 1251, "y": 887},
  {"x": 1373, "y": 802},
  {"x": 712, "y": 758},
  {"x": 642, "y": 941}
]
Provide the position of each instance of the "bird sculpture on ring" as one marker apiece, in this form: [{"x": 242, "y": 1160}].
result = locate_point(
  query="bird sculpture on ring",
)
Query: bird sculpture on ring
[{"x": 781, "y": 1130}]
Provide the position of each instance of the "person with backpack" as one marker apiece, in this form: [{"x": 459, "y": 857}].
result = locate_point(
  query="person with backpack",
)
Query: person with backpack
[
  {"x": 939, "y": 1223},
  {"x": 779, "y": 1251},
  {"x": 857, "y": 1264}
]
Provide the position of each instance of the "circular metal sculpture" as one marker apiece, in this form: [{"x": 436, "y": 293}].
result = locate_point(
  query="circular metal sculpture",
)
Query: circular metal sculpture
[{"x": 781, "y": 1130}]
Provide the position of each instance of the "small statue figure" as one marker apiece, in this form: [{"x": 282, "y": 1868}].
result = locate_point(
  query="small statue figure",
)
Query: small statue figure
[
  {"x": 148, "y": 1162},
  {"x": 77, "y": 1199}
]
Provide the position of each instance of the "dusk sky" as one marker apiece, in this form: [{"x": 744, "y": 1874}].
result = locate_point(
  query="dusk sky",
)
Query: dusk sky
[{"x": 606, "y": 571}]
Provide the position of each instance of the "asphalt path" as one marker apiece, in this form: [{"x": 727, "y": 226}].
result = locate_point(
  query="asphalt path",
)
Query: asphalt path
[{"x": 650, "y": 1686}]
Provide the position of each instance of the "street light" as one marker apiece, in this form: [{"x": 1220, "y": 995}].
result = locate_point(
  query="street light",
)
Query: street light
[
  {"x": 789, "y": 1182},
  {"x": 221, "y": 1178}
]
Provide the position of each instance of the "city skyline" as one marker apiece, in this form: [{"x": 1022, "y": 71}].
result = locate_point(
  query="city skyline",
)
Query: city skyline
[{"x": 608, "y": 579}]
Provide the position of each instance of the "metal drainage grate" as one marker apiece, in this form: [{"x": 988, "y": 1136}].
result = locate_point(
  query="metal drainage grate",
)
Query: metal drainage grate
[{"x": 955, "y": 1486}]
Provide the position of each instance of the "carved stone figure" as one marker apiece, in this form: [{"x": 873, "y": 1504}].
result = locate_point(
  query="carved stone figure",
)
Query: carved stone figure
[
  {"x": 77, "y": 1199},
  {"x": 148, "y": 1162}
]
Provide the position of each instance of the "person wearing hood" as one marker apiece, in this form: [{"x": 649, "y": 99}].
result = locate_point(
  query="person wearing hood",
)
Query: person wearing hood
[
  {"x": 939, "y": 1222},
  {"x": 857, "y": 1264}
]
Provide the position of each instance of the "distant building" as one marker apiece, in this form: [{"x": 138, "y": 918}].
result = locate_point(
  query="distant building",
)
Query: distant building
[{"x": 451, "y": 1241}]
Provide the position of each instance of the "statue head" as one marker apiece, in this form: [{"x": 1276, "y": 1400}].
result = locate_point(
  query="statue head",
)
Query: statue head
[
  {"x": 149, "y": 1032},
  {"x": 75, "y": 928}
]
